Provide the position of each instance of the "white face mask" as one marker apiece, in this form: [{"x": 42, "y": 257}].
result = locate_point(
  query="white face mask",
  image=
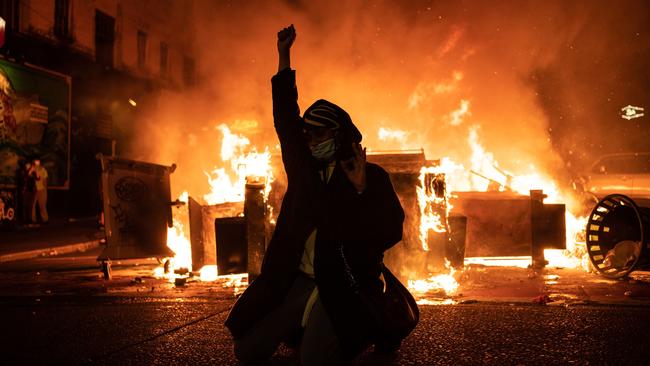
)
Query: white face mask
[{"x": 325, "y": 151}]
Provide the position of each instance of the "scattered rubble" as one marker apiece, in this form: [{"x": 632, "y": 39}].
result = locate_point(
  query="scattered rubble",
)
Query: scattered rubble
[{"x": 542, "y": 300}]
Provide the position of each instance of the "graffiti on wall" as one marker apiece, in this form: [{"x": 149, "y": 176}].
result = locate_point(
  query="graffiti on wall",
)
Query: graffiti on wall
[
  {"x": 7, "y": 207},
  {"x": 34, "y": 123}
]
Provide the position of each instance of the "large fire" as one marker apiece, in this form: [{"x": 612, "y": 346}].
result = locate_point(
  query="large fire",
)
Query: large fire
[
  {"x": 240, "y": 161},
  {"x": 227, "y": 183},
  {"x": 484, "y": 175},
  {"x": 437, "y": 185}
]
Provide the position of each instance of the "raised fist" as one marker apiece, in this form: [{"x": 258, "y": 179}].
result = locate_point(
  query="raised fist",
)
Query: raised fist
[{"x": 286, "y": 37}]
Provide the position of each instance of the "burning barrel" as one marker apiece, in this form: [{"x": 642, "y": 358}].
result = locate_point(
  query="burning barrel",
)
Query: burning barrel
[{"x": 618, "y": 236}]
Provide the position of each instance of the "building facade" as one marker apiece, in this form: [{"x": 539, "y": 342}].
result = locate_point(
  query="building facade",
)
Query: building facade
[{"x": 119, "y": 54}]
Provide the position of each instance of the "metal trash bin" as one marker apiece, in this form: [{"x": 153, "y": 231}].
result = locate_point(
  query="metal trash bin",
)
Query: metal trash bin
[
  {"x": 137, "y": 208},
  {"x": 618, "y": 236}
]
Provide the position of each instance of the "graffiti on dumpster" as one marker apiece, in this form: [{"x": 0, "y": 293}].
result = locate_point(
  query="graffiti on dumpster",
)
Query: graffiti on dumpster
[
  {"x": 130, "y": 189},
  {"x": 121, "y": 216},
  {"x": 136, "y": 207}
]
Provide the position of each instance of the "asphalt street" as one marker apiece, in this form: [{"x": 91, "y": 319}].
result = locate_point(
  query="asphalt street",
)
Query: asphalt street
[
  {"x": 71, "y": 330},
  {"x": 59, "y": 310}
]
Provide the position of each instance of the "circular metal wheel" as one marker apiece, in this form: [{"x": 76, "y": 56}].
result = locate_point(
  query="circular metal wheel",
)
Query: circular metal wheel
[{"x": 616, "y": 219}]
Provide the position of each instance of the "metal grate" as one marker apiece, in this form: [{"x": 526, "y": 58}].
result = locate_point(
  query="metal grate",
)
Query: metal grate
[{"x": 616, "y": 220}]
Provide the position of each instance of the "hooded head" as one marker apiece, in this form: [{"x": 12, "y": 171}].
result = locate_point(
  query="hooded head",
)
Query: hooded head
[{"x": 329, "y": 131}]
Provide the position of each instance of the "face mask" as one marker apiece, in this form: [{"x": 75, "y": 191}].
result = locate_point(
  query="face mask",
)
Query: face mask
[{"x": 325, "y": 151}]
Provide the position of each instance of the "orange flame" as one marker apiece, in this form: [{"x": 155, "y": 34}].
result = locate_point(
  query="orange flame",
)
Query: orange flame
[
  {"x": 392, "y": 134},
  {"x": 428, "y": 202},
  {"x": 574, "y": 255},
  {"x": 178, "y": 241},
  {"x": 446, "y": 282},
  {"x": 434, "y": 209},
  {"x": 490, "y": 176},
  {"x": 228, "y": 184},
  {"x": 430, "y": 205}
]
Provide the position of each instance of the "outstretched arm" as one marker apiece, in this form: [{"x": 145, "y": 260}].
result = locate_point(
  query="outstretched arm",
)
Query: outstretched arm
[
  {"x": 286, "y": 113},
  {"x": 285, "y": 39}
]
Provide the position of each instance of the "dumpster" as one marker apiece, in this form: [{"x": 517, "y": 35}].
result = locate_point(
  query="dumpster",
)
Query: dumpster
[{"x": 137, "y": 208}]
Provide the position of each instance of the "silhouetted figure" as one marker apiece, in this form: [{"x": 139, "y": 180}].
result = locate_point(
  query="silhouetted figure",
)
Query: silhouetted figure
[
  {"x": 28, "y": 192},
  {"x": 40, "y": 180},
  {"x": 338, "y": 216}
]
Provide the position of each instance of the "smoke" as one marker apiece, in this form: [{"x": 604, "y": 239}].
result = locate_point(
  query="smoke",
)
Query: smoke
[{"x": 540, "y": 82}]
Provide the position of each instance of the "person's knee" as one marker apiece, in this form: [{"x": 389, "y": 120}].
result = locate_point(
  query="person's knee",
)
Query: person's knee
[
  {"x": 317, "y": 355},
  {"x": 249, "y": 351}
]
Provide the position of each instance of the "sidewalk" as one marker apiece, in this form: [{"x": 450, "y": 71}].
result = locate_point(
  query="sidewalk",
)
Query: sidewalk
[{"x": 58, "y": 237}]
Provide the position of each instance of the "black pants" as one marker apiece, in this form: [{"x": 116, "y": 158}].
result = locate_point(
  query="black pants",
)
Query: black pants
[{"x": 319, "y": 345}]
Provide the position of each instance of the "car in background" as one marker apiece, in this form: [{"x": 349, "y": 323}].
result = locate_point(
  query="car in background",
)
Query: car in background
[{"x": 623, "y": 173}]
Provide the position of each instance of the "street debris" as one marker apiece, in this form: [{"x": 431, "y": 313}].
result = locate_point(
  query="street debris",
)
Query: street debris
[
  {"x": 181, "y": 271},
  {"x": 623, "y": 254},
  {"x": 106, "y": 269},
  {"x": 180, "y": 281},
  {"x": 468, "y": 301},
  {"x": 542, "y": 300}
]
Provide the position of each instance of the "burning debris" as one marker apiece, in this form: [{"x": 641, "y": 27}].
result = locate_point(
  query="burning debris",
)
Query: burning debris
[
  {"x": 433, "y": 193},
  {"x": 240, "y": 161},
  {"x": 246, "y": 176}
]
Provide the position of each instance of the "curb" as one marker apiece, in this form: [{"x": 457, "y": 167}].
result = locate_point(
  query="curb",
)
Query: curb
[{"x": 45, "y": 252}]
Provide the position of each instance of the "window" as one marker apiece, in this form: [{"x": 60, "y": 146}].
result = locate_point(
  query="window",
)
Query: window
[
  {"x": 634, "y": 163},
  {"x": 104, "y": 38},
  {"x": 103, "y": 122},
  {"x": 188, "y": 71},
  {"x": 62, "y": 18},
  {"x": 9, "y": 12},
  {"x": 164, "y": 51},
  {"x": 142, "y": 49}
]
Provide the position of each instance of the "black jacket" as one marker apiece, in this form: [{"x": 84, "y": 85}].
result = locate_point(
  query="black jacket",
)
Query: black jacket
[{"x": 363, "y": 225}]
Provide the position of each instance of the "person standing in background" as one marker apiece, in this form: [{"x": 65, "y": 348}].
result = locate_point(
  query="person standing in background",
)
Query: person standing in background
[
  {"x": 27, "y": 181},
  {"x": 40, "y": 175}
]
